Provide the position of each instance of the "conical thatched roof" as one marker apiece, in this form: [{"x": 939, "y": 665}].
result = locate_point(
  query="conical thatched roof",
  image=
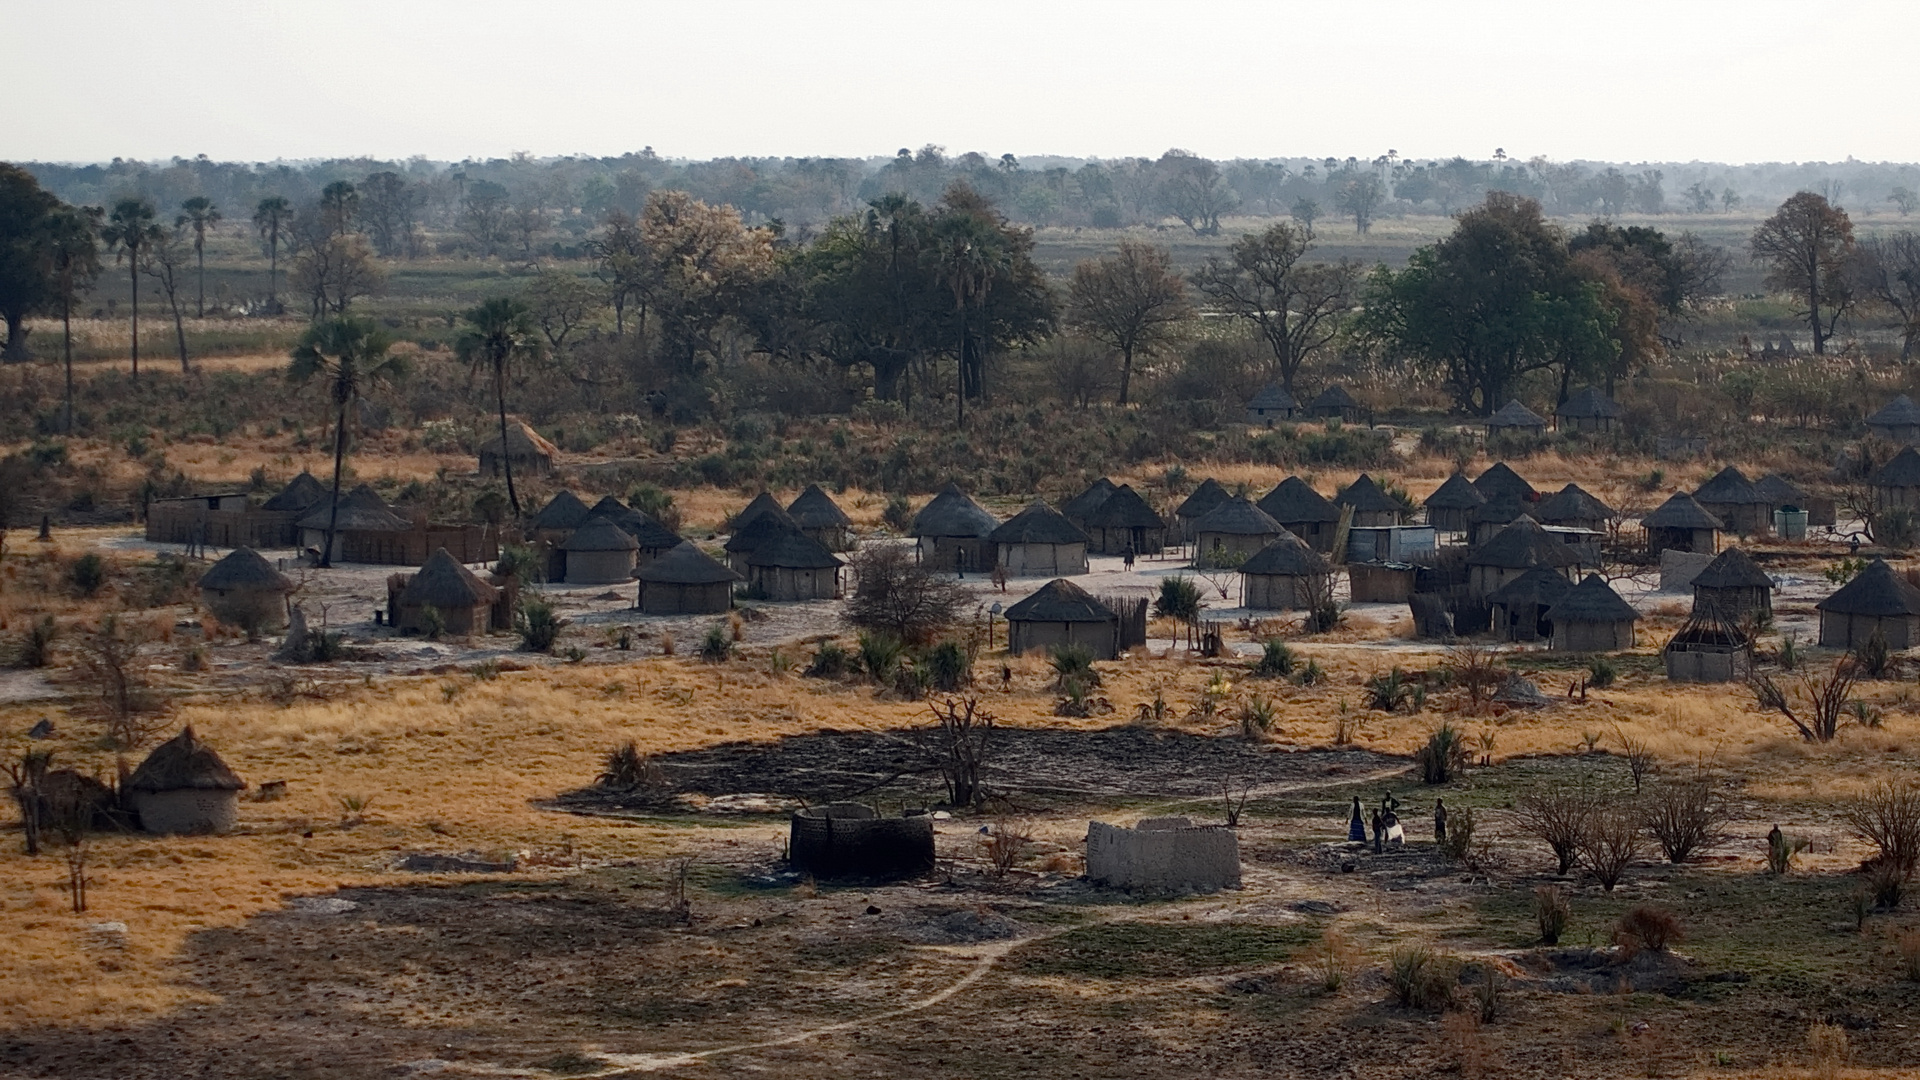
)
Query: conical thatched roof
[
  {"x": 1365, "y": 496},
  {"x": 815, "y": 509},
  {"x": 1732, "y": 569},
  {"x": 1902, "y": 471},
  {"x": 564, "y": 511},
  {"x": 1289, "y": 556},
  {"x": 1521, "y": 544},
  {"x": 1571, "y": 504},
  {"x": 447, "y": 585},
  {"x": 1238, "y": 517},
  {"x": 1084, "y": 504},
  {"x": 1875, "y": 591},
  {"x": 1294, "y": 502},
  {"x": 1273, "y": 397},
  {"x": 1456, "y": 493},
  {"x": 300, "y": 493},
  {"x": 1681, "y": 512},
  {"x": 1497, "y": 511},
  {"x": 1728, "y": 486},
  {"x": 1539, "y": 585},
  {"x": 1900, "y": 412},
  {"x": 361, "y": 510},
  {"x": 1204, "y": 498},
  {"x": 763, "y": 504},
  {"x": 1060, "y": 600},
  {"x": 1335, "y": 397},
  {"x": 1780, "y": 491},
  {"x": 183, "y": 763},
  {"x": 1593, "y": 600},
  {"x": 1514, "y": 414},
  {"x": 794, "y": 550},
  {"x": 1589, "y": 403},
  {"x": 600, "y": 534},
  {"x": 522, "y": 441},
  {"x": 1038, "y": 524},
  {"x": 643, "y": 527},
  {"x": 762, "y": 528},
  {"x": 1125, "y": 509},
  {"x": 1500, "y": 479},
  {"x": 244, "y": 568},
  {"x": 685, "y": 565},
  {"x": 953, "y": 513}
]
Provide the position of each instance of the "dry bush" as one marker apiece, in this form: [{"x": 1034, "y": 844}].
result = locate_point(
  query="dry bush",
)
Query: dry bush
[
  {"x": 1551, "y": 912},
  {"x": 1475, "y": 669},
  {"x": 1828, "y": 1049},
  {"x": 1333, "y": 960},
  {"x": 1906, "y": 945},
  {"x": 1639, "y": 759},
  {"x": 1005, "y": 844},
  {"x": 1888, "y": 817},
  {"x": 1646, "y": 928},
  {"x": 1422, "y": 977},
  {"x": 895, "y": 593},
  {"x": 1560, "y": 816},
  {"x": 1818, "y": 718},
  {"x": 625, "y": 768},
  {"x": 1612, "y": 841},
  {"x": 1686, "y": 818},
  {"x": 111, "y": 655},
  {"x": 960, "y": 741},
  {"x": 1462, "y": 1032}
]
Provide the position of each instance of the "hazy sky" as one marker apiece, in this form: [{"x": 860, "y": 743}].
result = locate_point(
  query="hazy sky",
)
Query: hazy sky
[{"x": 1752, "y": 80}]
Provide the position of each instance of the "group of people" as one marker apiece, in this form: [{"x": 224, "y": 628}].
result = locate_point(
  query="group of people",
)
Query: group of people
[{"x": 1386, "y": 823}]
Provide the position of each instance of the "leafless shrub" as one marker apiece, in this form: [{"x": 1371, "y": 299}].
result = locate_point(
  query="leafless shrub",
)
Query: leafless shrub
[
  {"x": 1559, "y": 816},
  {"x": 27, "y": 778},
  {"x": 1825, "y": 698},
  {"x": 1646, "y": 928},
  {"x": 1005, "y": 844},
  {"x": 960, "y": 741},
  {"x": 625, "y": 768},
  {"x": 1475, "y": 669},
  {"x": 899, "y": 595},
  {"x": 1333, "y": 960},
  {"x": 111, "y": 655},
  {"x": 1639, "y": 759},
  {"x": 1685, "y": 817},
  {"x": 1613, "y": 840},
  {"x": 1551, "y": 911},
  {"x": 1888, "y": 817},
  {"x": 1827, "y": 1045}
]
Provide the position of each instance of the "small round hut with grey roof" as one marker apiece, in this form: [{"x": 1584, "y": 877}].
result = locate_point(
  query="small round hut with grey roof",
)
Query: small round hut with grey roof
[
  {"x": 600, "y": 552},
  {"x": 759, "y": 529},
  {"x": 762, "y": 505},
  {"x": 1896, "y": 485},
  {"x": 1515, "y": 418},
  {"x": 1061, "y": 613},
  {"x": 817, "y": 515},
  {"x": 1371, "y": 506},
  {"x": 952, "y": 531},
  {"x": 1125, "y": 523},
  {"x": 1898, "y": 421},
  {"x": 1573, "y": 508},
  {"x": 184, "y": 788},
  {"x": 1681, "y": 524},
  {"x": 654, "y": 538},
  {"x": 685, "y": 581},
  {"x": 1592, "y": 618},
  {"x": 244, "y": 590},
  {"x": 464, "y": 603},
  {"x": 1451, "y": 504},
  {"x": 790, "y": 565},
  {"x": 1735, "y": 586},
  {"x": 1334, "y": 403},
  {"x": 562, "y": 514},
  {"x": 1731, "y": 497},
  {"x": 1272, "y": 405},
  {"x": 1589, "y": 409},
  {"x": 1204, "y": 498},
  {"x": 362, "y": 510},
  {"x": 1500, "y": 479},
  {"x": 300, "y": 494},
  {"x": 1519, "y": 547},
  {"x": 1232, "y": 531},
  {"x": 1081, "y": 507},
  {"x": 1303, "y": 512},
  {"x": 1286, "y": 575},
  {"x": 1878, "y": 601},
  {"x": 1520, "y": 606},
  {"x": 1040, "y": 542}
]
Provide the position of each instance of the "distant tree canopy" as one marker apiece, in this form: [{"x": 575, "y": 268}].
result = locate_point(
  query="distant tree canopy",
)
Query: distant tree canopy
[
  {"x": 1806, "y": 246},
  {"x": 29, "y": 283}
]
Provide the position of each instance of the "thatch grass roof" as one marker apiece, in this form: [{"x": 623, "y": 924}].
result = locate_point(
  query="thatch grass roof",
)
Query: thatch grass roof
[
  {"x": 1593, "y": 600},
  {"x": 1523, "y": 543},
  {"x": 1900, "y": 412},
  {"x": 1729, "y": 486},
  {"x": 446, "y": 585},
  {"x": 1288, "y": 556},
  {"x": 686, "y": 564},
  {"x": 1497, "y": 511},
  {"x": 1455, "y": 493},
  {"x": 1572, "y": 503},
  {"x": 1038, "y": 524},
  {"x": 600, "y": 534},
  {"x": 1084, "y": 504},
  {"x": 763, "y": 505},
  {"x": 245, "y": 569},
  {"x": 1294, "y": 502},
  {"x": 1365, "y": 496},
  {"x": 761, "y": 529},
  {"x": 1500, "y": 479},
  {"x": 1334, "y": 397},
  {"x": 1902, "y": 471},
  {"x": 184, "y": 763},
  {"x": 1681, "y": 512},
  {"x": 815, "y": 509},
  {"x": 1125, "y": 509},
  {"x": 1589, "y": 403},
  {"x": 646, "y": 530},
  {"x": 1732, "y": 569},
  {"x": 1204, "y": 498},
  {"x": 1238, "y": 517},
  {"x": 1273, "y": 397},
  {"x": 300, "y": 493},
  {"x": 1515, "y": 415},
  {"x": 522, "y": 442},
  {"x": 952, "y": 513},
  {"x": 1876, "y": 591},
  {"x": 794, "y": 550},
  {"x": 1539, "y": 585},
  {"x": 361, "y": 510},
  {"x": 1780, "y": 491},
  {"x": 564, "y": 511},
  {"x": 1060, "y": 600}
]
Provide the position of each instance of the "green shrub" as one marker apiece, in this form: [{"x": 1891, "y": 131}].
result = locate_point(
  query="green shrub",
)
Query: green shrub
[
  {"x": 1601, "y": 673},
  {"x": 717, "y": 646},
  {"x": 36, "y": 645},
  {"x": 1458, "y": 843},
  {"x": 521, "y": 563},
  {"x": 948, "y": 667},
  {"x": 1276, "y": 660},
  {"x": 538, "y": 624},
  {"x": 1072, "y": 662},
  {"x": 898, "y": 514},
  {"x": 434, "y": 623},
  {"x": 1388, "y": 692},
  {"x": 1444, "y": 757},
  {"x": 1421, "y": 976},
  {"x": 830, "y": 661},
  {"x": 627, "y": 769},
  {"x": 88, "y": 574},
  {"x": 880, "y": 655},
  {"x": 1551, "y": 912}
]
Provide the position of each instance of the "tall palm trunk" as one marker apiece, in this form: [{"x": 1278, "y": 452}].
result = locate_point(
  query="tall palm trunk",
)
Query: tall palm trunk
[
  {"x": 200, "y": 288},
  {"x": 339, "y": 464},
  {"x": 273, "y": 272},
  {"x": 133, "y": 272},
  {"x": 506, "y": 453},
  {"x": 66, "y": 347}
]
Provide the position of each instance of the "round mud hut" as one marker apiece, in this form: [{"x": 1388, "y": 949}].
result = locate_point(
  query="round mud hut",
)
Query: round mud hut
[
  {"x": 1452, "y": 503},
  {"x": 1592, "y": 618},
  {"x": 1286, "y": 575},
  {"x": 184, "y": 787},
  {"x": 1485, "y": 521},
  {"x": 361, "y": 510},
  {"x": 463, "y": 602},
  {"x": 599, "y": 552},
  {"x": 848, "y": 840},
  {"x": 817, "y": 515},
  {"x": 762, "y": 505},
  {"x": 1589, "y": 409},
  {"x": 1500, "y": 479},
  {"x": 1520, "y": 606},
  {"x": 793, "y": 566},
  {"x": 1040, "y": 542},
  {"x": 1732, "y": 498},
  {"x": 1334, "y": 403},
  {"x": 1371, "y": 506},
  {"x": 1303, "y": 512},
  {"x": 1681, "y": 524},
  {"x": 1272, "y": 405},
  {"x": 1896, "y": 485},
  {"x": 761, "y": 528},
  {"x": 529, "y": 454},
  {"x": 244, "y": 590},
  {"x": 952, "y": 531},
  {"x": 1125, "y": 523},
  {"x": 1204, "y": 498},
  {"x": 1877, "y": 601},
  {"x": 1519, "y": 547},
  {"x": 685, "y": 581},
  {"x": 298, "y": 496},
  {"x": 1735, "y": 586},
  {"x": 1081, "y": 507},
  {"x": 1061, "y": 613},
  {"x": 1898, "y": 421},
  {"x": 1513, "y": 418},
  {"x": 654, "y": 538},
  {"x": 1232, "y": 532},
  {"x": 1573, "y": 508},
  {"x": 563, "y": 513}
]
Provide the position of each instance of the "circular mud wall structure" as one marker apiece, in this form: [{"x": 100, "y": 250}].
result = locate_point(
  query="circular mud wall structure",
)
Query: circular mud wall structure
[{"x": 847, "y": 840}]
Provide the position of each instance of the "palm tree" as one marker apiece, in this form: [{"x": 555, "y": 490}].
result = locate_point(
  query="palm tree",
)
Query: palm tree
[
  {"x": 269, "y": 217},
  {"x": 339, "y": 202},
  {"x": 72, "y": 236},
  {"x": 130, "y": 230},
  {"x": 200, "y": 213},
  {"x": 967, "y": 256},
  {"x": 499, "y": 334},
  {"x": 350, "y": 353}
]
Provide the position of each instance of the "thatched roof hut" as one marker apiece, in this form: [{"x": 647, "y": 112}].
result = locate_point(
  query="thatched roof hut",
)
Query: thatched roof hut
[
  {"x": 1124, "y": 522},
  {"x": 1485, "y": 521},
  {"x": 1062, "y": 613},
  {"x": 1573, "y": 508},
  {"x": 361, "y": 510},
  {"x": 1734, "y": 585},
  {"x": 524, "y": 448},
  {"x": 562, "y": 514},
  {"x": 1513, "y": 416},
  {"x": 1709, "y": 648},
  {"x": 1303, "y": 511},
  {"x": 300, "y": 493},
  {"x": 1451, "y": 503},
  {"x": 1731, "y": 497},
  {"x": 1519, "y": 547},
  {"x": 184, "y": 787},
  {"x": 244, "y": 590},
  {"x": 762, "y": 505},
  {"x": 817, "y": 515},
  {"x": 1271, "y": 405},
  {"x": 1897, "y": 421},
  {"x": 1782, "y": 493},
  {"x": 758, "y": 530},
  {"x": 791, "y": 565},
  {"x": 1896, "y": 485},
  {"x": 1286, "y": 575},
  {"x": 1204, "y": 498},
  {"x": 1081, "y": 507},
  {"x": 1040, "y": 541},
  {"x": 1520, "y": 606},
  {"x": 1589, "y": 409},
  {"x": 1500, "y": 479},
  {"x": 465, "y": 602},
  {"x": 685, "y": 581},
  {"x": 952, "y": 531},
  {"x": 600, "y": 552},
  {"x": 1592, "y": 618},
  {"x": 1371, "y": 506},
  {"x": 1877, "y": 601},
  {"x": 1235, "y": 527},
  {"x": 1681, "y": 524},
  {"x": 1334, "y": 403},
  {"x": 654, "y": 538}
]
